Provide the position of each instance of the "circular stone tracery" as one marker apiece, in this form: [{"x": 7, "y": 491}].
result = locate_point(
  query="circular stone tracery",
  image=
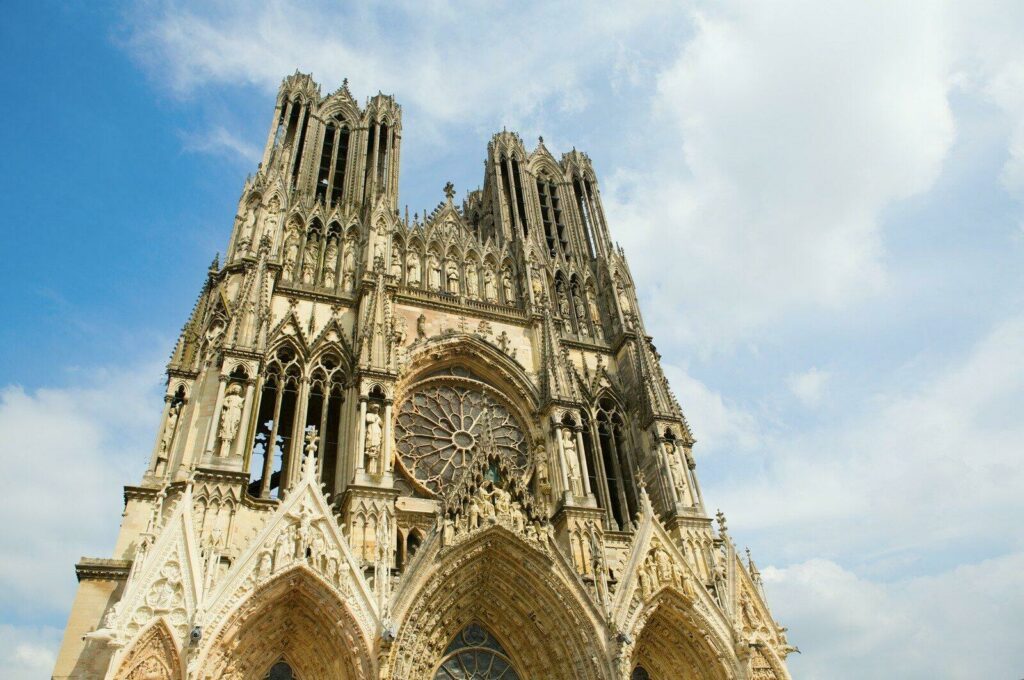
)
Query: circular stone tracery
[{"x": 442, "y": 423}]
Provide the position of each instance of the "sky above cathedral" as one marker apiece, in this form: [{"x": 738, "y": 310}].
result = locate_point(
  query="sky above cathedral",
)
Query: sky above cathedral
[{"x": 822, "y": 204}]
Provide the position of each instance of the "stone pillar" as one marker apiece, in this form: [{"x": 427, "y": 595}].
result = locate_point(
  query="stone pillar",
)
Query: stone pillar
[
  {"x": 584, "y": 469},
  {"x": 168, "y": 399},
  {"x": 566, "y": 489},
  {"x": 361, "y": 436},
  {"x": 386, "y": 448},
  {"x": 243, "y": 426},
  {"x": 268, "y": 456},
  {"x": 298, "y": 434},
  {"x": 211, "y": 437}
]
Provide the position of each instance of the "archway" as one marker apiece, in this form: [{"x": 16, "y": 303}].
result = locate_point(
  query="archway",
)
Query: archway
[
  {"x": 476, "y": 654},
  {"x": 522, "y": 597},
  {"x": 295, "y": 617},
  {"x": 672, "y": 645},
  {"x": 153, "y": 655}
]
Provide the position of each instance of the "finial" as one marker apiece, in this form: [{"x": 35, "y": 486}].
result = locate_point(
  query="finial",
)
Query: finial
[
  {"x": 215, "y": 265},
  {"x": 449, "y": 191},
  {"x": 722, "y": 529},
  {"x": 309, "y": 460},
  {"x": 540, "y": 140}
]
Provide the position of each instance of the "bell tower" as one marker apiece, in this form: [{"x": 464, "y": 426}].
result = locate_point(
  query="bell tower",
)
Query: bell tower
[{"x": 413, "y": 448}]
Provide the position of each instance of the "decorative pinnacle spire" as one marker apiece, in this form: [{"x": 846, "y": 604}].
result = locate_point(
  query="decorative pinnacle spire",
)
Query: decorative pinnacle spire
[
  {"x": 449, "y": 191},
  {"x": 722, "y": 529},
  {"x": 309, "y": 460}
]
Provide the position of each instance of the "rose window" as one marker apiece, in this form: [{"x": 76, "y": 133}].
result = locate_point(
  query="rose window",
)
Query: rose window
[{"x": 441, "y": 424}]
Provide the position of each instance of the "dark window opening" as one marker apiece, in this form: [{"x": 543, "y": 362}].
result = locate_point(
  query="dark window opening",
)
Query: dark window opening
[
  {"x": 340, "y": 164},
  {"x": 299, "y": 148},
  {"x": 324, "y": 173},
  {"x": 520, "y": 205}
]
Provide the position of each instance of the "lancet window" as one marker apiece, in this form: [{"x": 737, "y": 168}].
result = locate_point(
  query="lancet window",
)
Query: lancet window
[
  {"x": 610, "y": 464},
  {"x": 330, "y": 181},
  {"x": 520, "y": 205},
  {"x": 326, "y": 390},
  {"x": 640, "y": 673},
  {"x": 475, "y": 654},
  {"x": 276, "y": 423},
  {"x": 581, "y": 190},
  {"x": 551, "y": 216},
  {"x": 281, "y": 671}
]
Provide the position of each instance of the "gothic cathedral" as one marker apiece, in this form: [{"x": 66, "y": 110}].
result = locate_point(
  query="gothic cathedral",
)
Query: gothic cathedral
[{"x": 434, "y": 448}]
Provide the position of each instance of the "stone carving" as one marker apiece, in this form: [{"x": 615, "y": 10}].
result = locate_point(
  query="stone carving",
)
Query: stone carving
[
  {"x": 540, "y": 466},
  {"x": 230, "y": 417},
  {"x": 374, "y": 434},
  {"x": 572, "y": 468},
  {"x": 310, "y": 258},
  {"x": 676, "y": 469},
  {"x": 490, "y": 289},
  {"x": 413, "y": 268},
  {"x": 472, "y": 282},
  {"x": 434, "y": 267},
  {"x": 167, "y": 439},
  {"x": 452, "y": 278},
  {"x": 330, "y": 261},
  {"x": 421, "y": 327},
  {"x": 536, "y": 284},
  {"x": 396, "y": 263},
  {"x": 348, "y": 265},
  {"x": 291, "y": 253},
  {"x": 508, "y": 288}
]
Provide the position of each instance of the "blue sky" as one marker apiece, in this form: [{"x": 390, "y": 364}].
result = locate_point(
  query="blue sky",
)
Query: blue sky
[{"x": 822, "y": 204}]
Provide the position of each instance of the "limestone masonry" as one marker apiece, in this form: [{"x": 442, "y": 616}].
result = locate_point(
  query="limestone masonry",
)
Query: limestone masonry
[{"x": 430, "y": 447}]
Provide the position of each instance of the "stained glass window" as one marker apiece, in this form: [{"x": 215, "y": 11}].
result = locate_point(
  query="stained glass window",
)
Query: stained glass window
[
  {"x": 475, "y": 655},
  {"x": 443, "y": 422},
  {"x": 281, "y": 671}
]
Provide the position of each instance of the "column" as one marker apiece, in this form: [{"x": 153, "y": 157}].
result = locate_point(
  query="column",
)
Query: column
[
  {"x": 268, "y": 457},
  {"x": 603, "y": 493},
  {"x": 386, "y": 446},
  {"x": 268, "y": 149},
  {"x": 160, "y": 434},
  {"x": 693, "y": 476},
  {"x": 566, "y": 490},
  {"x": 243, "y": 427},
  {"x": 663, "y": 456},
  {"x": 584, "y": 468},
  {"x": 298, "y": 433},
  {"x": 361, "y": 441},
  {"x": 211, "y": 437}
]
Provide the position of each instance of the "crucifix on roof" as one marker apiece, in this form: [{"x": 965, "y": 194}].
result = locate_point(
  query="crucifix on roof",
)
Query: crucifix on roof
[{"x": 449, "y": 191}]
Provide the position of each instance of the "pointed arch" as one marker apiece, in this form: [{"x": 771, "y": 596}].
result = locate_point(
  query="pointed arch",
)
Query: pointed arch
[
  {"x": 153, "y": 654},
  {"x": 671, "y": 641},
  {"x": 295, "y": 616},
  {"x": 551, "y": 633}
]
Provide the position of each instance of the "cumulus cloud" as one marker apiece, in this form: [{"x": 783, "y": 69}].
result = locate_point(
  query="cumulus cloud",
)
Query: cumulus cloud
[
  {"x": 220, "y": 141},
  {"x": 921, "y": 469},
  {"x": 786, "y": 130},
  {"x": 808, "y": 386},
  {"x": 68, "y": 449},
  {"x": 960, "y": 623},
  {"x": 28, "y": 652}
]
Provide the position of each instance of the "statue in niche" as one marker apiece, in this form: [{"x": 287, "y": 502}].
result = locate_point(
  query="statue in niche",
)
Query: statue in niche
[
  {"x": 413, "y": 267},
  {"x": 230, "y": 417},
  {"x": 675, "y": 464},
  {"x": 541, "y": 470},
  {"x": 452, "y": 277},
  {"x": 490, "y": 288},
  {"x": 248, "y": 227},
  {"x": 581, "y": 315},
  {"x": 664, "y": 565},
  {"x": 270, "y": 218},
  {"x": 166, "y": 439},
  {"x": 434, "y": 273},
  {"x": 507, "y": 288},
  {"x": 536, "y": 284},
  {"x": 396, "y": 264},
  {"x": 620, "y": 290},
  {"x": 310, "y": 258},
  {"x": 348, "y": 265},
  {"x": 291, "y": 253},
  {"x": 595, "y": 313},
  {"x": 421, "y": 327},
  {"x": 372, "y": 440},
  {"x": 472, "y": 283},
  {"x": 572, "y": 470},
  {"x": 399, "y": 329},
  {"x": 563, "y": 305},
  {"x": 330, "y": 261}
]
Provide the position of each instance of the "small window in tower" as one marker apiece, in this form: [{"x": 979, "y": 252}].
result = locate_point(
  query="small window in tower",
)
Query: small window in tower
[
  {"x": 382, "y": 156},
  {"x": 547, "y": 213},
  {"x": 585, "y": 216},
  {"x": 507, "y": 187},
  {"x": 520, "y": 205},
  {"x": 324, "y": 172},
  {"x": 340, "y": 164},
  {"x": 300, "y": 148}
]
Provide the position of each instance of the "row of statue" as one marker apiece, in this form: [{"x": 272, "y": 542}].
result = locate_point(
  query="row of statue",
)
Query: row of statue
[
  {"x": 311, "y": 270},
  {"x": 477, "y": 282}
]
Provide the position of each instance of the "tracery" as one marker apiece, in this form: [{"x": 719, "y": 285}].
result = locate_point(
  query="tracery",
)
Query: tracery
[{"x": 475, "y": 655}]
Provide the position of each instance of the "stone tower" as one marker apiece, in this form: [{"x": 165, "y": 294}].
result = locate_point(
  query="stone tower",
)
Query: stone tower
[{"x": 437, "y": 447}]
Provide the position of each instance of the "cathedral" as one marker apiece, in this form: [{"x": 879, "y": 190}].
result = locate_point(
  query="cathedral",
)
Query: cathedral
[{"x": 428, "y": 447}]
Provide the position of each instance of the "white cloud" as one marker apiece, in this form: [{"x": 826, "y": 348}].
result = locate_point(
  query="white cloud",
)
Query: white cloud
[
  {"x": 961, "y": 623},
  {"x": 27, "y": 652},
  {"x": 218, "y": 140},
  {"x": 68, "y": 448},
  {"x": 784, "y": 130},
  {"x": 921, "y": 469},
  {"x": 719, "y": 427},
  {"x": 809, "y": 385}
]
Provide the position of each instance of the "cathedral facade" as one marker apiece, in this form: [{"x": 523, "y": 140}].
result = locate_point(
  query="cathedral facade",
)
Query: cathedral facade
[{"x": 430, "y": 447}]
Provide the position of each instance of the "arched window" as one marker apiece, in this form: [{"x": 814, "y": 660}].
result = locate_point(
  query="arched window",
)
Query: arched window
[
  {"x": 281, "y": 671},
  {"x": 326, "y": 387},
  {"x": 520, "y": 205},
  {"x": 640, "y": 673},
  {"x": 581, "y": 191},
  {"x": 475, "y": 654},
  {"x": 551, "y": 216},
  {"x": 330, "y": 180},
  {"x": 276, "y": 423},
  {"x": 616, "y": 484}
]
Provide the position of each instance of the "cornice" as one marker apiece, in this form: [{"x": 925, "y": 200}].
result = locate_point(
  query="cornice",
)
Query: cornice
[{"x": 99, "y": 569}]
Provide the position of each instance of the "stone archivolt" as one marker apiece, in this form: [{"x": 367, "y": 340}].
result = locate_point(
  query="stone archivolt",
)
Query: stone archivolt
[{"x": 388, "y": 439}]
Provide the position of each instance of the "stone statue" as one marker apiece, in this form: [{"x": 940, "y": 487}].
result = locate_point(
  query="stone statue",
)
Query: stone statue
[
  {"x": 620, "y": 290},
  {"x": 269, "y": 219},
  {"x": 452, "y": 278},
  {"x": 291, "y": 254},
  {"x": 413, "y": 267},
  {"x": 472, "y": 282},
  {"x": 310, "y": 259},
  {"x": 373, "y": 439},
  {"x": 542, "y": 473},
  {"x": 536, "y": 284},
  {"x": 396, "y": 264},
  {"x": 230, "y": 417},
  {"x": 399, "y": 329},
  {"x": 348, "y": 265},
  {"x": 248, "y": 227},
  {"x": 675, "y": 464},
  {"x": 572, "y": 470},
  {"x": 166, "y": 439},
  {"x": 507, "y": 288},
  {"x": 490, "y": 289},
  {"x": 330, "y": 261},
  {"x": 563, "y": 304},
  {"x": 434, "y": 267},
  {"x": 421, "y": 327}
]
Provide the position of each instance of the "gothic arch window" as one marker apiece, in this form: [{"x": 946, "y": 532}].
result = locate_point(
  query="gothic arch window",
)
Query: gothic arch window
[
  {"x": 444, "y": 420},
  {"x": 276, "y": 423},
  {"x": 580, "y": 191},
  {"x": 520, "y": 204},
  {"x": 551, "y": 216},
  {"x": 323, "y": 411},
  {"x": 475, "y": 655},
  {"x": 330, "y": 181},
  {"x": 607, "y": 444},
  {"x": 640, "y": 673}
]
